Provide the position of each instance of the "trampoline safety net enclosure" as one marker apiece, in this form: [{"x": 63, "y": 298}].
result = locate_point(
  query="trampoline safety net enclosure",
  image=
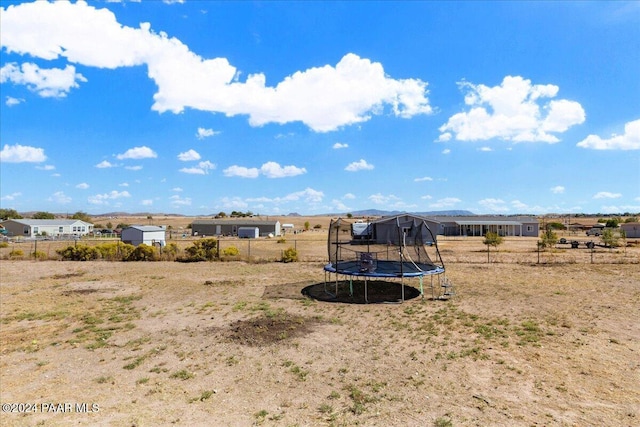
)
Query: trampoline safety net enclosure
[{"x": 398, "y": 247}]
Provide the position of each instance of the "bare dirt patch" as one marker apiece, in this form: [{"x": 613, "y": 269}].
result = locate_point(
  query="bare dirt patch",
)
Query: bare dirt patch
[{"x": 238, "y": 344}]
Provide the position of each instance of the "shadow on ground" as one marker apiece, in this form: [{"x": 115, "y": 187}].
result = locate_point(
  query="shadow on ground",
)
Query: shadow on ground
[{"x": 377, "y": 292}]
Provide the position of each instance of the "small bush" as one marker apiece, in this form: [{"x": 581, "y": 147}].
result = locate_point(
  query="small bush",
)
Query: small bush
[
  {"x": 109, "y": 251},
  {"x": 4, "y": 245},
  {"x": 16, "y": 253},
  {"x": 142, "y": 252},
  {"x": 231, "y": 251},
  {"x": 290, "y": 255},
  {"x": 282, "y": 240},
  {"x": 170, "y": 251},
  {"x": 79, "y": 253},
  {"x": 201, "y": 250},
  {"x": 39, "y": 255}
]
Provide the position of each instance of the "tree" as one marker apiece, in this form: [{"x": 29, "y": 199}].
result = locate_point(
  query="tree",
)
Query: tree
[
  {"x": 492, "y": 239},
  {"x": 612, "y": 223},
  {"x": 307, "y": 224},
  {"x": 609, "y": 238},
  {"x": 9, "y": 213},
  {"x": 43, "y": 215},
  {"x": 549, "y": 238},
  {"x": 82, "y": 216},
  {"x": 349, "y": 215},
  {"x": 631, "y": 219}
]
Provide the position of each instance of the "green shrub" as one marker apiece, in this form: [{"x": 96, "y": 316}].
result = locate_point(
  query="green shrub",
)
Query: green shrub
[
  {"x": 79, "y": 253},
  {"x": 142, "y": 252},
  {"x": 4, "y": 245},
  {"x": 290, "y": 255},
  {"x": 282, "y": 240},
  {"x": 109, "y": 251},
  {"x": 170, "y": 251},
  {"x": 231, "y": 251},
  {"x": 201, "y": 250},
  {"x": 39, "y": 255},
  {"x": 16, "y": 253}
]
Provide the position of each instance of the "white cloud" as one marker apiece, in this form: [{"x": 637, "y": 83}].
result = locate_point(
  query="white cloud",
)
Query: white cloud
[
  {"x": 512, "y": 111},
  {"x": 446, "y": 202},
  {"x": 494, "y": 205},
  {"x": 446, "y": 151},
  {"x": 177, "y": 189},
  {"x": 133, "y": 168},
  {"x": 22, "y": 154},
  {"x": 176, "y": 201},
  {"x": 11, "y": 197},
  {"x": 485, "y": 149},
  {"x": 11, "y": 101},
  {"x": 60, "y": 197},
  {"x": 189, "y": 156},
  {"x": 234, "y": 203},
  {"x": 146, "y": 202},
  {"x": 309, "y": 195},
  {"x": 124, "y": 184},
  {"x": 82, "y": 186},
  {"x": 630, "y": 140},
  {"x": 349, "y": 196},
  {"x": 103, "y": 199},
  {"x": 607, "y": 195},
  {"x": 269, "y": 169},
  {"x": 241, "y": 171},
  {"x": 51, "y": 83},
  {"x": 558, "y": 189},
  {"x": 323, "y": 98},
  {"x": 46, "y": 168},
  {"x": 358, "y": 166},
  {"x": 105, "y": 164},
  {"x": 138, "y": 153},
  {"x": 381, "y": 199},
  {"x": 424, "y": 178},
  {"x": 205, "y": 133},
  {"x": 274, "y": 170},
  {"x": 339, "y": 145},
  {"x": 203, "y": 168}
]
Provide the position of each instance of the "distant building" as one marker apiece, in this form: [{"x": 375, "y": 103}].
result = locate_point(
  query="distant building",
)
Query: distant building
[
  {"x": 230, "y": 227},
  {"x": 150, "y": 235},
  {"x": 524, "y": 226},
  {"x": 631, "y": 229},
  {"x": 46, "y": 227}
]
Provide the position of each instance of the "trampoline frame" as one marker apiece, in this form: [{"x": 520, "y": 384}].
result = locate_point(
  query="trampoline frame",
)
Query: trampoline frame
[{"x": 366, "y": 266}]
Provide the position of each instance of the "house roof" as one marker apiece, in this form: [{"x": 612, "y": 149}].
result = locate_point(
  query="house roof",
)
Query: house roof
[
  {"x": 47, "y": 222},
  {"x": 145, "y": 228},
  {"x": 247, "y": 222},
  {"x": 488, "y": 223},
  {"x": 488, "y": 219}
]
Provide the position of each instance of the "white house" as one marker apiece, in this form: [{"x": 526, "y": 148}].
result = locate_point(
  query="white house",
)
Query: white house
[
  {"x": 148, "y": 234},
  {"x": 46, "y": 227}
]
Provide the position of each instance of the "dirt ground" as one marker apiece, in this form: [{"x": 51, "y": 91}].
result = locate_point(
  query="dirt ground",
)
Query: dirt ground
[{"x": 240, "y": 344}]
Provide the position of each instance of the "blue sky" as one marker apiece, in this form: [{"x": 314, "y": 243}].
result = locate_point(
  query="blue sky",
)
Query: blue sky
[{"x": 196, "y": 107}]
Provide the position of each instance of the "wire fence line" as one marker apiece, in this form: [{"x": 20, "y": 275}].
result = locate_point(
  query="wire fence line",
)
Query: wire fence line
[{"x": 453, "y": 250}]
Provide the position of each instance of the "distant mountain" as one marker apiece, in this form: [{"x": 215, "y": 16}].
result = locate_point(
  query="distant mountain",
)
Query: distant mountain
[{"x": 377, "y": 212}]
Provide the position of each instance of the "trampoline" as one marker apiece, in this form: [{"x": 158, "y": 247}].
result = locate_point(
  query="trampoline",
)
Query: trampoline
[{"x": 391, "y": 248}]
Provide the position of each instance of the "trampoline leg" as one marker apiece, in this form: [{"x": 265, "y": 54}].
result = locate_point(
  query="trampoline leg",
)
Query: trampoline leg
[
  {"x": 350, "y": 286},
  {"x": 366, "y": 298},
  {"x": 421, "y": 289}
]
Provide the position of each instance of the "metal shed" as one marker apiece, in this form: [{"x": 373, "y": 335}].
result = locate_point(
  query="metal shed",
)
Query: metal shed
[{"x": 148, "y": 234}]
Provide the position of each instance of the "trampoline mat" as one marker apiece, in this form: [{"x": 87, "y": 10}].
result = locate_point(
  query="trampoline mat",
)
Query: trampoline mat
[{"x": 384, "y": 269}]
